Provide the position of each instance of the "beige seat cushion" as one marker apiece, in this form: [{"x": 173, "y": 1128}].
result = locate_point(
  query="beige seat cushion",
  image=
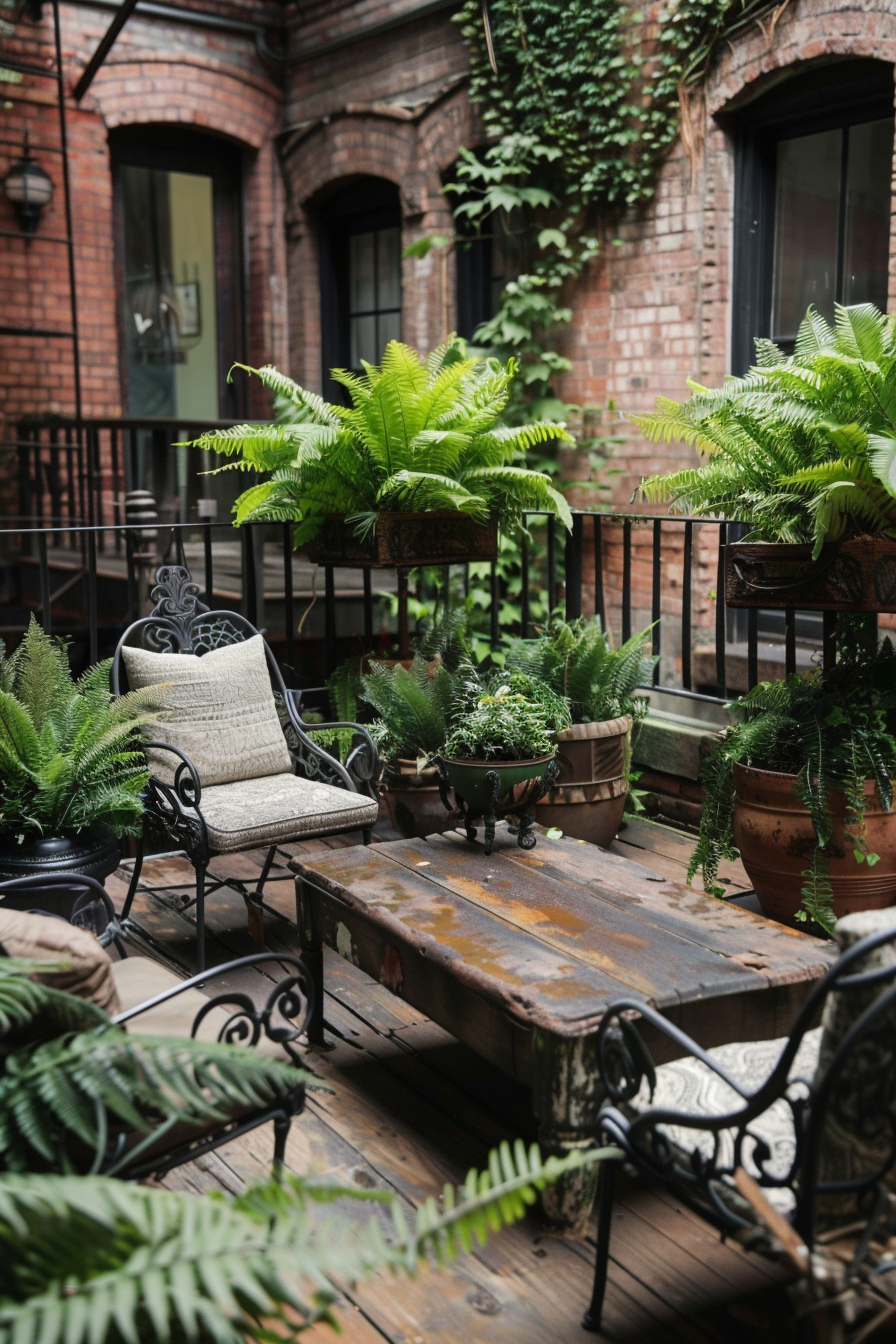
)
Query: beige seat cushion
[
  {"x": 220, "y": 711},
  {"x": 40, "y": 938},
  {"x": 138, "y": 979},
  {"x": 688, "y": 1086},
  {"x": 280, "y": 808}
]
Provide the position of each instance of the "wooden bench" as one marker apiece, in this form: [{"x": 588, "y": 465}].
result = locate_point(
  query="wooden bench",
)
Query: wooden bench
[{"x": 519, "y": 954}]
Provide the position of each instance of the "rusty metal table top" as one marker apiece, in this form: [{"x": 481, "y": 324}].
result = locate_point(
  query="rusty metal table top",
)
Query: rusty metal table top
[{"x": 552, "y": 935}]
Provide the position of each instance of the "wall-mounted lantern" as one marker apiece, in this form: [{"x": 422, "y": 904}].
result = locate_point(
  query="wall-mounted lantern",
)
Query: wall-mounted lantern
[{"x": 29, "y": 189}]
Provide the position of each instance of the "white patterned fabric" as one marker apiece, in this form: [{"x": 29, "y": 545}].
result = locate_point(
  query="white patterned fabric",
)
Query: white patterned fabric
[
  {"x": 688, "y": 1086},
  {"x": 220, "y": 711},
  {"x": 278, "y": 808}
]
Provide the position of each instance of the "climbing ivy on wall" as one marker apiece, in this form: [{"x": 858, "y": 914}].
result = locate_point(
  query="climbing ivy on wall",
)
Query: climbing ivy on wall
[{"x": 585, "y": 99}]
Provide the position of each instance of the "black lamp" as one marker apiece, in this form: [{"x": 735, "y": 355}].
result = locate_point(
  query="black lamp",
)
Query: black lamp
[{"x": 29, "y": 189}]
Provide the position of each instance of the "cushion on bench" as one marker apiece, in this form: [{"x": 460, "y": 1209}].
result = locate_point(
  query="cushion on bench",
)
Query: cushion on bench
[{"x": 40, "y": 938}]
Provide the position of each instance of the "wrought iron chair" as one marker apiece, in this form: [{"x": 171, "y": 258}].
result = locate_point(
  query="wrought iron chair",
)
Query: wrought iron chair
[
  {"x": 155, "y": 1002},
  {"x": 791, "y": 1148},
  {"x": 326, "y": 798}
]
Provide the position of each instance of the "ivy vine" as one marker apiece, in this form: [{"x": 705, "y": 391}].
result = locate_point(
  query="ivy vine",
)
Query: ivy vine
[{"x": 583, "y": 103}]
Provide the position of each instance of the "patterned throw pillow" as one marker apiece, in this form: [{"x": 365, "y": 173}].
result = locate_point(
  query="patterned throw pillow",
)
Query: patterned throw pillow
[{"x": 219, "y": 710}]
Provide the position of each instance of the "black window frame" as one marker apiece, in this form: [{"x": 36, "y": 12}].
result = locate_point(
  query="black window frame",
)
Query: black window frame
[
  {"x": 361, "y": 206},
  {"x": 829, "y": 96}
]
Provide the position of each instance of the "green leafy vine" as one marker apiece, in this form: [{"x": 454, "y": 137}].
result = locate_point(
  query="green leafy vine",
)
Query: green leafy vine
[{"x": 585, "y": 101}]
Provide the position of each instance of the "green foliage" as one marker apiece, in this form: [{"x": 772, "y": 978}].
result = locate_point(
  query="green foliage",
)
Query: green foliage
[
  {"x": 96, "y": 1261},
  {"x": 413, "y": 707},
  {"x": 576, "y": 659},
  {"x": 585, "y": 104},
  {"x": 508, "y": 716},
  {"x": 418, "y": 435},
  {"x": 804, "y": 447},
  {"x": 64, "y": 1096},
  {"x": 69, "y": 753},
  {"x": 831, "y": 730}
]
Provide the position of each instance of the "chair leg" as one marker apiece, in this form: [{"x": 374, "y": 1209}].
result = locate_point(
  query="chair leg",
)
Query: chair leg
[
  {"x": 199, "y": 869},
  {"x": 135, "y": 878},
  {"x": 592, "y": 1317},
  {"x": 367, "y": 836},
  {"x": 265, "y": 871},
  {"x": 282, "y": 1123}
]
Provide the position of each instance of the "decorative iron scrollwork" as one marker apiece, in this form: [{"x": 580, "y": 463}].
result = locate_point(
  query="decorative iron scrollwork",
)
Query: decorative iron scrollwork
[{"x": 283, "y": 1018}]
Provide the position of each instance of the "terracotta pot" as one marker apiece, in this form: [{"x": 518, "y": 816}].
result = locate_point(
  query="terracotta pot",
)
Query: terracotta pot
[
  {"x": 588, "y": 799},
  {"x": 440, "y": 537},
  {"x": 94, "y": 852},
  {"x": 774, "y": 833},
  {"x": 413, "y": 801}
]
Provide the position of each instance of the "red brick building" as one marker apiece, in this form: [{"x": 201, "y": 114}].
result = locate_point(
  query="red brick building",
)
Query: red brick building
[{"x": 244, "y": 178}]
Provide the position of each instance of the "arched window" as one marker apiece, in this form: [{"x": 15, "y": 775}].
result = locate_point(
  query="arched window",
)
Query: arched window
[
  {"x": 360, "y": 275},
  {"x": 812, "y": 200}
]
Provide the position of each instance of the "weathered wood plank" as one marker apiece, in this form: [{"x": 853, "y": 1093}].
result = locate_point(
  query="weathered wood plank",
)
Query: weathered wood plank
[
  {"x": 655, "y": 840},
  {"x": 779, "y": 954},
  {"x": 551, "y": 903},
  {"x": 527, "y": 978}
]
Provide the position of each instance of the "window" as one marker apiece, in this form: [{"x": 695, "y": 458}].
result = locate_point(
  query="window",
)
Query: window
[
  {"x": 360, "y": 276},
  {"x": 180, "y": 270},
  {"x": 812, "y": 201}
]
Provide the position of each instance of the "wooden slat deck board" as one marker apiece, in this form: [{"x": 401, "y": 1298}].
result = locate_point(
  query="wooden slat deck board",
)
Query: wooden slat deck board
[{"x": 411, "y": 1108}]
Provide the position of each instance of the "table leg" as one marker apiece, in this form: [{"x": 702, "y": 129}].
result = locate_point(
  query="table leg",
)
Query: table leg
[
  {"x": 567, "y": 1095},
  {"x": 313, "y": 956}
]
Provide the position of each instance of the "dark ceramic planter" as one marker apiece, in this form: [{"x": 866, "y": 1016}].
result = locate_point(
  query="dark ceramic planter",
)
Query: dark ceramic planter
[
  {"x": 94, "y": 852},
  {"x": 493, "y": 789}
]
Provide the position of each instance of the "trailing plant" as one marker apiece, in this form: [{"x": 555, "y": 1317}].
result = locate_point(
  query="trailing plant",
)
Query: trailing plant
[
  {"x": 804, "y": 447},
  {"x": 77, "y": 1080},
  {"x": 577, "y": 660},
  {"x": 97, "y": 1261},
  {"x": 69, "y": 753},
  {"x": 580, "y": 103},
  {"x": 418, "y": 435},
  {"x": 832, "y": 731}
]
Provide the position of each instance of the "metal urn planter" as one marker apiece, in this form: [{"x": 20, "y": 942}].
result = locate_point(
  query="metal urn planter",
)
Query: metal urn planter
[
  {"x": 93, "y": 852},
  {"x": 493, "y": 789},
  {"x": 776, "y": 839},
  {"x": 587, "y": 799}
]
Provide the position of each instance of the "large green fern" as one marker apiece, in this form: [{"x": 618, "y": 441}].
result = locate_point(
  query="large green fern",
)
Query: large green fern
[
  {"x": 95, "y": 1261},
  {"x": 69, "y": 753},
  {"x": 418, "y": 435},
  {"x": 804, "y": 447},
  {"x": 78, "y": 1080},
  {"x": 577, "y": 660}
]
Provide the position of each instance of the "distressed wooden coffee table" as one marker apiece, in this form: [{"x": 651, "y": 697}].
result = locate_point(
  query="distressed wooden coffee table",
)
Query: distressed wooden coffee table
[{"x": 519, "y": 954}]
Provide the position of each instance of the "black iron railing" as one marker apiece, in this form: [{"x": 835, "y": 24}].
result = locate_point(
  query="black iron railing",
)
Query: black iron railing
[{"x": 89, "y": 582}]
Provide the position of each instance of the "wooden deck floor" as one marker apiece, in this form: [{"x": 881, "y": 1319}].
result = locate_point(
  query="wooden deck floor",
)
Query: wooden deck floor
[{"x": 411, "y": 1108}]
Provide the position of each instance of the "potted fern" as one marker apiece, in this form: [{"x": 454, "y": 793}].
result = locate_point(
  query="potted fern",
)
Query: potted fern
[
  {"x": 417, "y": 470},
  {"x": 413, "y": 707},
  {"x": 802, "y": 787},
  {"x": 803, "y": 449},
  {"x": 499, "y": 754},
  {"x": 71, "y": 768},
  {"x": 577, "y": 660}
]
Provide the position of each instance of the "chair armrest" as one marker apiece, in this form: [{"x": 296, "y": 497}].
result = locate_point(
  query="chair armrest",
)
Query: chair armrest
[
  {"x": 283, "y": 1017},
  {"x": 186, "y": 784},
  {"x": 625, "y": 1061},
  {"x": 360, "y": 771}
]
